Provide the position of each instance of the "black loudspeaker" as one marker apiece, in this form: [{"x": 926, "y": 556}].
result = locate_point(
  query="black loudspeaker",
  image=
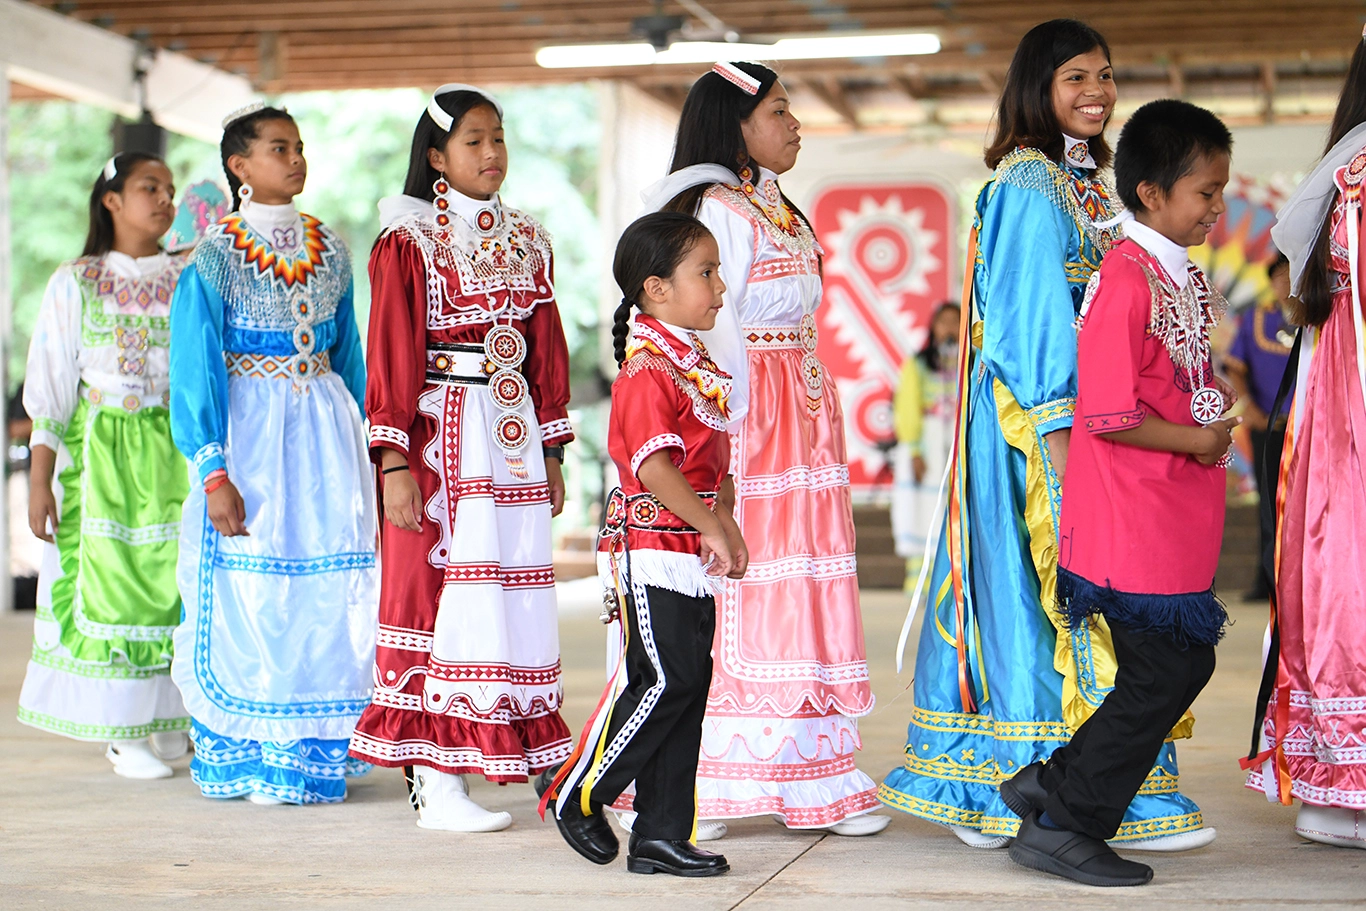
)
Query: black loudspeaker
[{"x": 143, "y": 135}]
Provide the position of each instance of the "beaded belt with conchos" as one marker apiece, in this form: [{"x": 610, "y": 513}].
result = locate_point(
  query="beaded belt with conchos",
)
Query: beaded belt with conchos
[
  {"x": 272, "y": 367},
  {"x": 644, "y": 512},
  {"x": 801, "y": 337},
  {"x": 128, "y": 401},
  {"x": 497, "y": 365}
]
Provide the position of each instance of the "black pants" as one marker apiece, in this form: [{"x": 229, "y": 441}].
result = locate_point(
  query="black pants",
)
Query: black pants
[
  {"x": 1265, "y": 492},
  {"x": 1091, "y": 781},
  {"x": 656, "y": 728}
]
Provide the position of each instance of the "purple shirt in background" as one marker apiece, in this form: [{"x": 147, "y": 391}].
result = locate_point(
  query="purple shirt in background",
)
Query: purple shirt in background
[{"x": 1257, "y": 346}]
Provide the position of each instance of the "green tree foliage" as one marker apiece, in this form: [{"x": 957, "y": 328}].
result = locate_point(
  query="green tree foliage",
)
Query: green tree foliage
[{"x": 357, "y": 144}]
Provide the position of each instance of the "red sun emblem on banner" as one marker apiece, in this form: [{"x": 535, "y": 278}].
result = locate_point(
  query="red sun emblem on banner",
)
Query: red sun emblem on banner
[{"x": 887, "y": 258}]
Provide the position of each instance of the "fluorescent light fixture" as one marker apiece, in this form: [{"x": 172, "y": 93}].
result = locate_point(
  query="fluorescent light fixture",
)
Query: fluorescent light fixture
[{"x": 807, "y": 48}]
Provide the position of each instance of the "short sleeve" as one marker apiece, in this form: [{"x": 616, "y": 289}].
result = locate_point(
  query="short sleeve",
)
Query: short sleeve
[
  {"x": 1110, "y": 349},
  {"x": 645, "y": 414}
]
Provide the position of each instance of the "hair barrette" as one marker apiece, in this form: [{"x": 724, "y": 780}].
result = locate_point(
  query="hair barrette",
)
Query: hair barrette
[
  {"x": 737, "y": 77},
  {"x": 445, "y": 120},
  {"x": 111, "y": 167},
  {"x": 244, "y": 111}
]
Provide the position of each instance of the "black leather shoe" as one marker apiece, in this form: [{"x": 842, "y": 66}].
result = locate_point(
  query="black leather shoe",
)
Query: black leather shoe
[
  {"x": 680, "y": 858},
  {"x": 1074, "y": 856},
  {"x": 1023, "y": 792},
  {"x": 590, "y": 835},
  {"x": 543, "y": 781}
]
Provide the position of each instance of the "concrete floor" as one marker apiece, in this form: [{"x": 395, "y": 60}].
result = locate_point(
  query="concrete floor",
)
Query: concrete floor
[{"x": 75, "y": 836}]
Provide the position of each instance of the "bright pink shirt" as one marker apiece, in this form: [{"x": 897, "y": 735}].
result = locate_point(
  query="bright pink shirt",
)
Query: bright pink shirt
[{"x": 1137, "y": 520}]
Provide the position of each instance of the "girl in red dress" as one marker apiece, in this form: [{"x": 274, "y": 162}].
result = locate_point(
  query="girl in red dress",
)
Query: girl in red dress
[
  {"x": 467, "y": 391},
  {"x": 669, "y": 540}
]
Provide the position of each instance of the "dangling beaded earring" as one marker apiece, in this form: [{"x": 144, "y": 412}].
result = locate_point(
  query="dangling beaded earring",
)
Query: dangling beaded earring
[
  {"x": 244, "y": 194},
  {"x": 441, "y": 190}
]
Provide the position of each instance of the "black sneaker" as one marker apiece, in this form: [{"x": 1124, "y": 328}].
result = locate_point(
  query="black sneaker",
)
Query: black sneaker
[
  {"x": 1074, "y": 856},
  {"x": 1023, "y": 792}
]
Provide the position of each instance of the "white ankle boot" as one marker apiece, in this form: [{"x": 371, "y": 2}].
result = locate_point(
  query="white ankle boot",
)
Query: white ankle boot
[
  {"x": 443, "y": 802},
  {"x": 1170, "y": 844},
  {"x": 707, "y": 829},
  {"x": 1337, "y": 826},
  {"x": 169, "y": 744},
  {"x": 973, "y": 838},
  {"x": 135, "y": 759}
]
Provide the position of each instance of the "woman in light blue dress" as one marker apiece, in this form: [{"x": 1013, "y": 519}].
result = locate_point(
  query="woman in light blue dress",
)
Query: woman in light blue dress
[
  {"x": 277, "y": 550},
  {"x": 1001, "y": 680}
]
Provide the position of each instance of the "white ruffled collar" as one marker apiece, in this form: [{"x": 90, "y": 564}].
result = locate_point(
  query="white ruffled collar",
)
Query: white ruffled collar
[
  {"x": 1171, "y": 255},
  {"x": 393, "y": 209}
]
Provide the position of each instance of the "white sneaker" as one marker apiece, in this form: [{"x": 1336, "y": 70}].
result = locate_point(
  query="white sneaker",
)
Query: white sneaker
[
  {"x": 1181, "y": 841},
  {"x": 169, "y": 744},
  {"x": 135, "y": 759},
  {"x": 443, "y": 802},
  {"x": 1337, "y": 826},
  {"x": 707, "y": 829},
  {"x": 975, "y": 839},
  {"x": 264, "y": 800},
  {"x": 863, "y": 824}
]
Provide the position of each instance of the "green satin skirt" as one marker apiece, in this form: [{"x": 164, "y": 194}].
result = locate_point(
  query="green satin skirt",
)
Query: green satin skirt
[{"x": 107, "y": 597}]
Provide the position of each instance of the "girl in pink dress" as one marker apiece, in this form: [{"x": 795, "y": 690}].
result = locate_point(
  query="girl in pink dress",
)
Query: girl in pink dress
[
  {"x": 1314, "y": 734},
  {"x": 790, "y": 674}
]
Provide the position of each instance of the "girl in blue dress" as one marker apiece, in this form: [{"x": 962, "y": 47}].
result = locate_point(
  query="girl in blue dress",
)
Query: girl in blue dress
[
  {"x": 1001, "y": 680},
  {"x": 277, "y": 548}
]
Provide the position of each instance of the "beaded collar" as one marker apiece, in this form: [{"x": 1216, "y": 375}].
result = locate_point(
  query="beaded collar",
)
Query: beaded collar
[{"x": 706, "y": 384}]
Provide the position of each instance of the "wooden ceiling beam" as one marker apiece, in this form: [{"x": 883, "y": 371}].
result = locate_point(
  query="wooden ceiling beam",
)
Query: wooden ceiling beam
[{"x": 833, "y": 96}]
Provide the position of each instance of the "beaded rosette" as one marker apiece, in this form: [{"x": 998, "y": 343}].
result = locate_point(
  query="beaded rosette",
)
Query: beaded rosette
[{"x": 504, "y": 352}]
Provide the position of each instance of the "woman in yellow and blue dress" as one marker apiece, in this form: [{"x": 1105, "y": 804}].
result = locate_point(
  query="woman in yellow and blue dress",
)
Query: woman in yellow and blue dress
[{"x": 1001, "y": 680}]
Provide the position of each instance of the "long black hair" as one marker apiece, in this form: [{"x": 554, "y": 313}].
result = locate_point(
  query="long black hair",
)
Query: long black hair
[
  {"x": 429, "y": 135},
  {"x": 929, "y": 352},
  {"x": 1025, "y": 115},
  {"x": 1313, "y": 304},
  {"x": 709, "y": 130},
  {"x": 99, "y": 239},
  {"x": 237, "y": 139},
  {"x": 653, "y": 244}
]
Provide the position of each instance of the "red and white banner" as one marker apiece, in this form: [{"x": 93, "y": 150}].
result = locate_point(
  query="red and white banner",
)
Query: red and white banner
[{"x": 888, "y": 255}]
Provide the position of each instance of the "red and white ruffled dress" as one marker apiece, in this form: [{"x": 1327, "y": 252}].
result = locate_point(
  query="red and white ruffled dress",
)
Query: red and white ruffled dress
[{"x": 468, "y": 377}]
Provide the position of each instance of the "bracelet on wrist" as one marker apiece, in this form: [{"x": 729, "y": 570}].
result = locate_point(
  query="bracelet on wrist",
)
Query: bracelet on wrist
[
  {"x": 215, "y": 484},
  {"x": 393, "y": 469},
  {"x": 553, "y": 452}
]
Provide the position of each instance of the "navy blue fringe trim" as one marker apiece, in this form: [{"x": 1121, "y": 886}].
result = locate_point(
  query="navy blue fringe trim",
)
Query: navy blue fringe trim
[{"x": 1197, "y": 618}]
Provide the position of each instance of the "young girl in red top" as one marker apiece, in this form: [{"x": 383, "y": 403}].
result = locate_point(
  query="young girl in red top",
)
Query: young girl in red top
[
  {"x": 1143, "y": 497},
  {"x": 668, "y": 542}
]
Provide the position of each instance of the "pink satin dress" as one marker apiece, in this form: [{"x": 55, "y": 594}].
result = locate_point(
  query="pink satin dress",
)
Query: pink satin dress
[
  {"x": 1316, "y": 722},
  {"x": 790, "y": 671}
]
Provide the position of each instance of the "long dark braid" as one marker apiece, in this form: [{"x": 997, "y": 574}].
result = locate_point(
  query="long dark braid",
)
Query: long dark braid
[{"x": 621, "y": 327}]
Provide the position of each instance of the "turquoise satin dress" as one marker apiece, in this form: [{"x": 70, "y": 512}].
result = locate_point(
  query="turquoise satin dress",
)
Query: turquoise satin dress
[{"x": 1031, "y": 685}]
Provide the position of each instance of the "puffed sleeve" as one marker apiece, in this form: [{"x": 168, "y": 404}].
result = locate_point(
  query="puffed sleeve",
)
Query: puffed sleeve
[
  {"x": 199, "y": 379},
  {"x": 398, "y": 341},
  {"x": 1110, "y": 349},
  {"x": 547, "y": 370},
  {"x": 908, "y": 406},
  {"x": 1029, "y": 342},
  {"x": 645, "y": 415},
  {"x": 347, "y": 360},
  {"x": 52, "y": 376},
  {"x": 726, "y": 342}
]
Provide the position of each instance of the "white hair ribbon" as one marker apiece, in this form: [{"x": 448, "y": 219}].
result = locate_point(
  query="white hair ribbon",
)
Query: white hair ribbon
[
  {"x": 445, "y": 120},
  {"x": 111, "y": 167},
  {"x": 736, "y": 76}
]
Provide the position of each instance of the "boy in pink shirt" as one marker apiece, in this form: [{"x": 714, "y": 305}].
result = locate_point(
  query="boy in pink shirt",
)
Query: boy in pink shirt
[{"x": 1143, "y": 495}]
